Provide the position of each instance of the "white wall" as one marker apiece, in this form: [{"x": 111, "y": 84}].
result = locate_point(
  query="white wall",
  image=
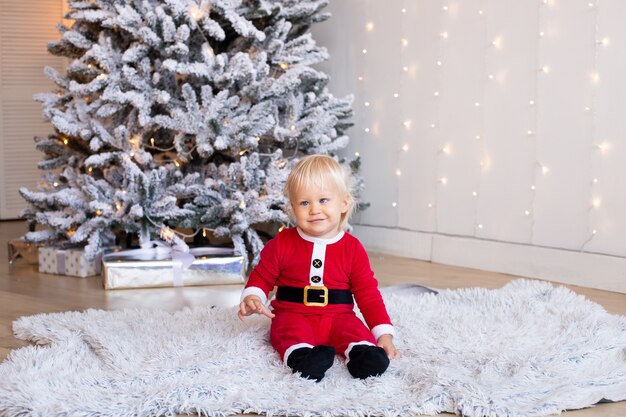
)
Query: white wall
[
  {"x": 24, "y": 35},
  {"x": 492, "y": 132}
]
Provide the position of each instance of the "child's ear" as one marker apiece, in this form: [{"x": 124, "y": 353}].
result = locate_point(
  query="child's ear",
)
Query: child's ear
[{"x": 345, "y": 204}]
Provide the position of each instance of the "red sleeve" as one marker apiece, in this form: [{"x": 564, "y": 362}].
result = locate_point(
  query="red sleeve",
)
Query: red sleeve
[
  {"x": 365, "y": 289},
  {"x": 266, "y": 272}
]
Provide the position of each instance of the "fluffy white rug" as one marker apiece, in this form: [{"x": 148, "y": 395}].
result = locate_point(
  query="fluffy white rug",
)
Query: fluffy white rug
[{"x": 528, "y": 349}]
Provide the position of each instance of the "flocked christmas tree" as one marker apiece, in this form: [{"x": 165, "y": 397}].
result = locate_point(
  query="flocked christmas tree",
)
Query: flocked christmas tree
[{"x": 178, "y": 116}]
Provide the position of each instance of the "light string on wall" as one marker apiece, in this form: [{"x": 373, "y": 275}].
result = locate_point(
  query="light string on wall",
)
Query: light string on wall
[
  {"x": 603, "y": 147},
  {"x": 493, "y": 45}
]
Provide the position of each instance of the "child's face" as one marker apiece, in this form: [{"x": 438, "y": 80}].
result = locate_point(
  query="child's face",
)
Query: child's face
[{"x": 318, "y": 210}]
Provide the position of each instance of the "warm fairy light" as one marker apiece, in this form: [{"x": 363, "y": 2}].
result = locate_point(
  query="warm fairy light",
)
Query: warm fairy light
[
  {"x": 445, "y": 8},
  {"x": 476, "y": 104},
  {"x": 433, "y": 125},
  {"x": 357, "y": 154},
  {"x": 444, "y": 35},
  {"x": 243, "y": 152},
  {"x": 603, "y": 42},
  {"x": 439, "y": 63},
  {"x": 166, "y": 233},
  {"x": 430, "y": 205},
  {"x": 529, "y": 132},
  {"x": 282, "y": 163},
  {"x": 403, "y": 10},
  {"x": 405, "y": 69},
  {"x": 258, "y": 138},
  {"x": 436, "y": 94},
  {"x": 364, "y": 51},
  {"x": 404, "y": 41},
  {"x": 594, "y": 231},
  {"x": 55, "y": 184},
  {"x": 369, "y": 26},
  {"x": 526, "y": 212},
  {"x": 477, "y": 137},
  {"x": 596, "y": 202},
  {"x": 407, "y": 124},
  {"x": 176, "y": 163},
  {"x": 360, "y": 78},
  {"x": 446, "y": 149},
  {"x": 532, "y": 187},
  {"x": 151, "y": 141},
  {"x": 90, "y": 169},
  {"x": 396, "y": 95},
  {"x": 89, "y": 66},
  {"x": 587, "y": 108},
  {"x": 398, "y": 173},
  {"x": 604, "y": 147},
  {"x": 480, "y": 12},
  {"x": 405, "y": 147},
  {"x": 497, "y": 43},
  {"x": 242, "y": 204},
  {"x": 394, "y": 204},
  {"x": 595, "y": 180},
  {"x": 490, "y": 76},
  {"x": 443, "y": 180},
  {"x": 70, "y": 232},
  {"x": 595, "y": 77},
  {"x": 590, "y": 4},
  {"x": 65, "y": 141},
  {"x": 531, "y": 102},
  {"x": 203, "y": 232},
  {"x": 195, "y": 11},
  {"x": 366, "y": 104},
  {"x": 475, "y": 193},
  {"x": 479, "y": 225},
  {"x": 98, "y": 212},
  {"x": 545, "y": 69},
  {"x": 284, "y": 66},
  {"x": 544, "y": 169},
  {"x": 366, "y": 130},
  {"x": 281, "y": 228},
  {"x": 542, "y": 34},
  {"x": 118, "y": 206}
]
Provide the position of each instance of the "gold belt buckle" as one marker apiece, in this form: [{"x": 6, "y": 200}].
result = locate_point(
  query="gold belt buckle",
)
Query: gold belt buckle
[{"x": 316, "y": 303}]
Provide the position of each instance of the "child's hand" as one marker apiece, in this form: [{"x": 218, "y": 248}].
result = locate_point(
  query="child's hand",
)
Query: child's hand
[
  {"x": 252, "y": 304},
  {"x": 386, "y": 342}
]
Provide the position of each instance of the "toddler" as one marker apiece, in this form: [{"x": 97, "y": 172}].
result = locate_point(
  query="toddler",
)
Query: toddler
[{"x": 320, "y": 270}]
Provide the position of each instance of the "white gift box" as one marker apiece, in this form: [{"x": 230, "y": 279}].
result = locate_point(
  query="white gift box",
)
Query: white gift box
[
  {"x": 160, "y": 267},
  {"x": 71, "y": 261}
]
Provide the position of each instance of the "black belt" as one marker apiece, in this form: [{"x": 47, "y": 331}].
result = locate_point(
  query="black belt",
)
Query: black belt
[{"x": 314, "y": 295}]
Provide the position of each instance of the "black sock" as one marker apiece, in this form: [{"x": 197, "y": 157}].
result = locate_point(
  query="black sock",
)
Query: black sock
[
  {"x": 367, "y": 360},
  {"x": 312, "y": 363}
]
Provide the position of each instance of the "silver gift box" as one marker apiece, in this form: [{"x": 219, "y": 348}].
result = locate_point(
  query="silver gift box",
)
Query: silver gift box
[{"x": 144, "y": 269}]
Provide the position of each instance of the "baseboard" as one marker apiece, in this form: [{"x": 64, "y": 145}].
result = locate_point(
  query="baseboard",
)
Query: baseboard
[{"x": 568, "y": 267}]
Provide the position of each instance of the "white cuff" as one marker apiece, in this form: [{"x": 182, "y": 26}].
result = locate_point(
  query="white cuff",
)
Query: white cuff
[
  {"x": 382, "y": 329},
  {"x": 254, "y": 291}
]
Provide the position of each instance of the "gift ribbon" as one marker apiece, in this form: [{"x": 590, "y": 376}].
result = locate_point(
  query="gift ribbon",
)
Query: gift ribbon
[
  {"x": 157, "y": 251},
  {"x": 61, "y": 262}
]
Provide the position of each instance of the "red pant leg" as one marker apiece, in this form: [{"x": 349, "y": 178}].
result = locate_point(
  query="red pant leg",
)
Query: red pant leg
[
  {"x": 292, "y": 330},
  {"x": 347, "y": 328}
]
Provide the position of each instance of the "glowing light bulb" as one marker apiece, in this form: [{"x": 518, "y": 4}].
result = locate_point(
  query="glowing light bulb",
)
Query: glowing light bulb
[
  {"x": 360, "y": 78},
  {"x": 544, "y": 169},
  {"x": 594, "y": 231},
  {"x": 55, "y": 184},
  {"x": 65, "y": 141},
  {"x": 405, "y": 69},
  {"x": 480, "y": 12},
  {"x": 443, "y": 180},
  {"x": 596, "y": 202},
  {"x": 542, "y": 34},
  {"x": 203, "y": 232},
  {"x": 595, "y": 180},
  {"x": 545, "y": 69},
  {"x": 364, "y": 51},
  {"x": 475, "y": 194},
  {"x": 396, "y": 95},
  {"x": 394, "y": 204},
  {"x": 436, "y": 94},
  {"x": 405, "y": 148},
  {"x": 603, "y": 42},
  {"x": 477, "y": 104},
  {"x": 407, "y": 124},
  {"x": 587, "y": 108},
  {"x": 403, "y": 10},
  {"x": 532, "y": 187},
  {"x": 284, "y": 66},
  {"x": 529, "y": 133},
  {"x": 531, "y": 102},
  {"x": 445, "y": 8},
  {"x": 90, "y": 169},
  {"x": 446, "y": 150},
  {"x": 595, "y": 77},
  {"x": 526, "y": 212},
  {"x": 433, "y": 125},
  {"x": 177, "y": 163},
  {"x": 477, "y": 137},
  {"x": 604, "y": 147},
  {"x": 367, "y": 104},
  {"x": 357, "y": 154},
  {"x": 490, "y": 76},
  {"x": 404, "y": 41},
  {"x": 242, "y": 204},
  {"x": 98, "y": 212},
  {"x": 366, "y": 130},
  {"x": 497, "y": 42},
  {"x": 444, "y": 35},
  {"x": 369, "y": 26},
  {"x": 195, "y": 11},
  {"x": 151, "y": 141},
  {"x": 430, "y": 205},
  {"x": 439, "y": 63},
  {"x": 398, "y": 173},
  {"x": 479, "y": 225}
]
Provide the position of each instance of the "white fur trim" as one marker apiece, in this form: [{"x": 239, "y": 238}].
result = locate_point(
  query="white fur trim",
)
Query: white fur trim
[
  {"x": 353, "y": 344},
  {"x": 382, "y": 329},
  {"x": 323, "y": 241},
  {"x": 254, "y": 291},
  {"x": 294, "y": 347}
]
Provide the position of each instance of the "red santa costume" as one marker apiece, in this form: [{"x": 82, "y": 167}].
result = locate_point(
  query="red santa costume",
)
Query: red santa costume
[{"x": 316, "y": 279}]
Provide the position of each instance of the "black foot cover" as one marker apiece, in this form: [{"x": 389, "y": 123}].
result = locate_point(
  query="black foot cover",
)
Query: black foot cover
[
  {"x": 312, "y": 363},
  {"x": 367, "y": 360}
]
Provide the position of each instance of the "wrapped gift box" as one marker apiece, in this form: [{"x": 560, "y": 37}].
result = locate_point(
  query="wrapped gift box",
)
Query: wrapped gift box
[
  {"x": 157, "y": 267},
  {"x": 67, "y": 261},
  {"x": 20, "y": 248}
]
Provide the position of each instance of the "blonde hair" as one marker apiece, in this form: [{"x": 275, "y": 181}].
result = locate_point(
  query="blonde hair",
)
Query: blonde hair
[{"x": 315, "y": 171}]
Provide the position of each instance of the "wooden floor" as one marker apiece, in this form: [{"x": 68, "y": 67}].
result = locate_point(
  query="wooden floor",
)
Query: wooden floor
[{"x": 24, "y": 291}]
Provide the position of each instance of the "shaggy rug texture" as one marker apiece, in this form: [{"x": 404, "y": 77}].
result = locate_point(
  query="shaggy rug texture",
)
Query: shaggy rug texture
[{"x": 527, "y": 349}]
